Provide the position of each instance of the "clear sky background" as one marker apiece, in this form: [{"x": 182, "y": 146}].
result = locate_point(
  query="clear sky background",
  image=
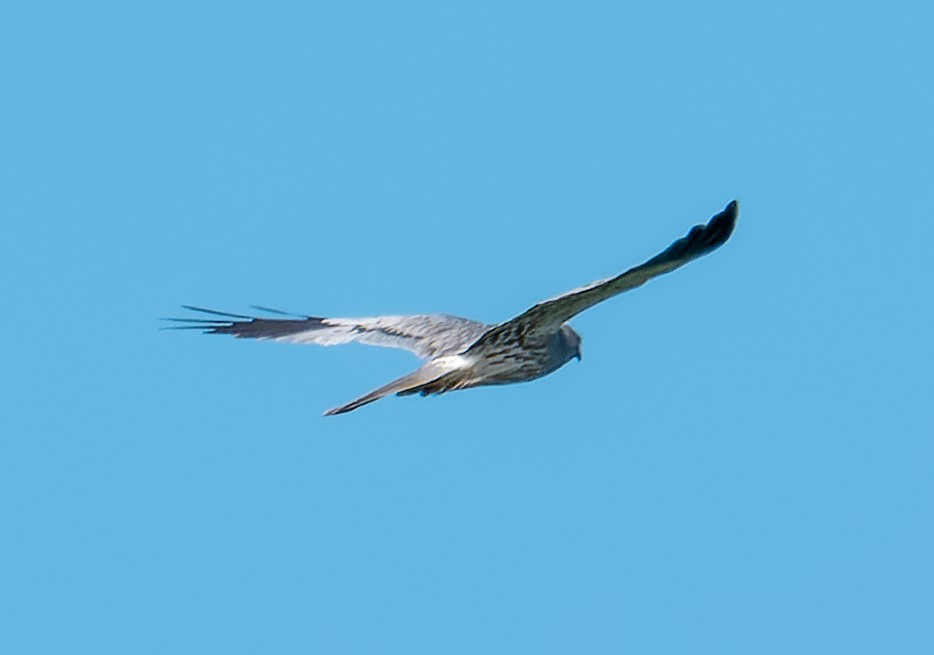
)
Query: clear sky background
[{"x": 742, "y": 463}]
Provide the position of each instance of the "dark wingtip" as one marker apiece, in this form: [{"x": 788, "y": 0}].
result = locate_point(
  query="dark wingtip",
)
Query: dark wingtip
[
  {"x": 246, "y": 327},
  {"x": 216, "y": 313},
  {"x": 720, "y": 227},
  {"x": 270, "y": 310},
  {"x": 729, "y": 213}
]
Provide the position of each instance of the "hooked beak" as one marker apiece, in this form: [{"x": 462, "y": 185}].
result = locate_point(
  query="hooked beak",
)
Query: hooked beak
[{"x": 578, "y": 354}]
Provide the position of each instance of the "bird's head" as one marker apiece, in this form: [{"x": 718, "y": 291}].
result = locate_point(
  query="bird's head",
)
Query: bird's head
[{"x": 572, "y": 341}]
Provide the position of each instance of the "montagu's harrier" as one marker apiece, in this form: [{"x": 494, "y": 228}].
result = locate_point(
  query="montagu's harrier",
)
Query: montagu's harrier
[{"x": 462, "y": 353}]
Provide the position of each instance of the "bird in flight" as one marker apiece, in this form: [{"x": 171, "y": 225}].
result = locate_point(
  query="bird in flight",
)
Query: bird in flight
[{"x": 461, "y": 353}]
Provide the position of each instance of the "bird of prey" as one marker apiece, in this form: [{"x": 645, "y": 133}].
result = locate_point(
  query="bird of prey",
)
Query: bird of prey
[{"x": 461, "y": 353}]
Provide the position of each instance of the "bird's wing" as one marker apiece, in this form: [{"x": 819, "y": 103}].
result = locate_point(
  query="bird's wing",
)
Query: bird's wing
[
  {"x": 426, "y": 335},
  {"x": 546, "y": 317}
]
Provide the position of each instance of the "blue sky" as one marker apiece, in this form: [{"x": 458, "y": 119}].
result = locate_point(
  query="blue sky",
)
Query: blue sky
[{"x": 741, "y": 463}]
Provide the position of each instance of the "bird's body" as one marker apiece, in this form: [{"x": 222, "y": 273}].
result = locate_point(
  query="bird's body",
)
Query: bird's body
[
  {"x": 461, "y": 353},
  {"x": 502, "y": 363}
]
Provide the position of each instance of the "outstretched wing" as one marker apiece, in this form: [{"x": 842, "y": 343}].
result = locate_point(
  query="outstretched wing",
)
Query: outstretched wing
[
  {"x": 426, "y": 335},
  {"x": 548, "y": 316}
]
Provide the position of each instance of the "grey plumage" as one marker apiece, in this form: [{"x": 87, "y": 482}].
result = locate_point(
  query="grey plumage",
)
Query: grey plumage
[
  {"x": 462, "y": 353},
  {"x": 426, "y": 335}
]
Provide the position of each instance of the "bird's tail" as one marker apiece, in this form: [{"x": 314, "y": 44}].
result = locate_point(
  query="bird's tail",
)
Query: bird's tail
[{"x": 422, "y": 376}]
